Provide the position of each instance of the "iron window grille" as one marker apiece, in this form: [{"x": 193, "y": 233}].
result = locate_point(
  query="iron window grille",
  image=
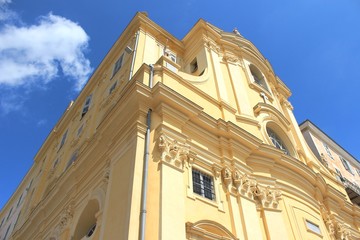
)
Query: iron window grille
[{"x": 203, "y": 184}]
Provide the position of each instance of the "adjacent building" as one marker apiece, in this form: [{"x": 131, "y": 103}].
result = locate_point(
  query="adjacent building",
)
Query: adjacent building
[
  {"x": 182, "y": 139},
  {"x": 9, "y": 215},
  {"x": 337, "y": 160}
]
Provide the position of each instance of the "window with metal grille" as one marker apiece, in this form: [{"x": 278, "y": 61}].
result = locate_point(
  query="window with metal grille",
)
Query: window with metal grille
[
  {"x": 276, "y": 140},
  {"x": 203, "y": 184}
]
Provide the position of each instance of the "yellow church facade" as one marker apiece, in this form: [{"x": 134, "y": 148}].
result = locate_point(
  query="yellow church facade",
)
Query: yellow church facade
[{"x": 181, "y": 139}]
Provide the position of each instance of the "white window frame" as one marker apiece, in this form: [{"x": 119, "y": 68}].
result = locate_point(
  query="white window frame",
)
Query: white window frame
[
  {"x": 203, "y": 177},
  {"x": 260, "y": 81},
  {"x": 277, "y": 141},
  {"x": 346, "y": 165},
  {"x": 327, "y": 149},
  {"x": 313, "y": 227},
  {"x": 170, "y": 55}
]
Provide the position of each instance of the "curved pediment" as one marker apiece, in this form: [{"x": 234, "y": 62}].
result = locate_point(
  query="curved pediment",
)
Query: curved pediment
[
  {"x": 273, "y": 113},
  {"x": 207, "y": 229}
]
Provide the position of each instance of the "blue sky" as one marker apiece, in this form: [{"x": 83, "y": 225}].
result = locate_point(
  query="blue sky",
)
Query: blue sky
[{"x": 48, "y": 49}]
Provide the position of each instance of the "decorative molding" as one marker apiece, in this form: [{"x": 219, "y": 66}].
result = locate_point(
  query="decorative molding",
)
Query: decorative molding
[
  {"x": 173, "y": 152},
  {"x": 66, "y": 216},
  {"x": 336, "y": 229},
  {"x": 273, "y": 113},
  {"x": 106, "y": 175},
  {"x": 226, "y": 176},
  {"x": 286, "y": 103},
  {"x": 236, "y": 178},
  {"x": 232, "y": 59}
]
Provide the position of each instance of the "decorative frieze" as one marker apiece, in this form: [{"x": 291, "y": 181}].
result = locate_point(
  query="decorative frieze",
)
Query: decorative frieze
[
  {"x": 173, "y": 152},
  {"x": 265, "y": 196}
]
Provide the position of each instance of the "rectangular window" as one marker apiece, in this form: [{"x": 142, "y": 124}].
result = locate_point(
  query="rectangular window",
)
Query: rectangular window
[
  {"x": 9, "y": 214},
  {"x": 328, "y": 150},
  {"x": 313, "y": 227},
  {"x": 203, "y": 184},
  {"x": 346, "y": 165},
  {"x": 63, "y": 139},
  {"x": 55, "y": 163},
  {"x": 112, "y": 88},
  {"x": 19, "y": 201},
  {"x": 7, "y": 231},
  {"x": 72, "y": 159},
  {"x": 80, "y": 130},
  {"x": 86, "y": 106},
  {"x": 170, "y": 55},
  {"x": 118, "y": 64},
  {"x": 17, "y": 219}
]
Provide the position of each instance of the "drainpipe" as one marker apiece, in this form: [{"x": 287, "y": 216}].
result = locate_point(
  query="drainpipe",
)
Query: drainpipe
[
  {"x": 134, "y": 54},
  {"x": 146, "y": 164}
]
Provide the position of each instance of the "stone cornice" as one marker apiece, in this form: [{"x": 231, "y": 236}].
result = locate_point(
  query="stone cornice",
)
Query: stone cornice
[{"x": 269, "y": 109}]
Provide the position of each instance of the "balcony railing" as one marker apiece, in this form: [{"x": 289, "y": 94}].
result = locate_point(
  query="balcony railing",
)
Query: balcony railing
[{"x": 353, "y": 190}]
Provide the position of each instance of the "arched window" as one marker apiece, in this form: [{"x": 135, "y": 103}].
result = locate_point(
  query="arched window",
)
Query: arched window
[
  {"x": 258, "y": 77},
  {"x": 277, "y": 141},
  {"x": 86, "y": 225}
]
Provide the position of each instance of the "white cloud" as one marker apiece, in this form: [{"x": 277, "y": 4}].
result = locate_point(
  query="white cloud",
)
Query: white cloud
[
  {"x": 10, "y": 102},
  {"x": 2, "y": 2},
  {"x": 41, "y": 122},
  {"x": 5, "y": 13},
  {"x": 36, "y": 54}
]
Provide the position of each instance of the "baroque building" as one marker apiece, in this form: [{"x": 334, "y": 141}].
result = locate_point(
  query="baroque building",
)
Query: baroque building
[{"x": 181, "y": 139}]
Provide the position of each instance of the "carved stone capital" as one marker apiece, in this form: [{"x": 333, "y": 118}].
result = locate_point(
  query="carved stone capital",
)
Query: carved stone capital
[
  {"x": 236, "y": 177},
  {"x": 271, "y": 197},
  {"x": 211, "y": 45},
  {"x": 287, "y": 104},
  {"x": 231, "y": 59},
  {"x": 248, "y": 186},
  {"x": 226, "y": 176},
  {"x": 173, "y": 152},
  {"x": 342, "y": 232}
]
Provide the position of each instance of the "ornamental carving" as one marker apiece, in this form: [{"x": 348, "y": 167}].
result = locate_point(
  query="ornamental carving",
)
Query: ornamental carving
[
  {"x": 231, "y": 59},
  {"x": 328, "y": 220},
  {"x": 342, "y": 232},
  {"x": 248, "y": 186},
  {"x": 106, "y": 174},
  {"x": 66, "y": 216},
  {"x": 172, "y": 151},
  {"x": 336, "y": 229},
  {"x": 236, "y": 177},
  {"x": 271, "y": 197},
  {"x": 226, "y": 176}
]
